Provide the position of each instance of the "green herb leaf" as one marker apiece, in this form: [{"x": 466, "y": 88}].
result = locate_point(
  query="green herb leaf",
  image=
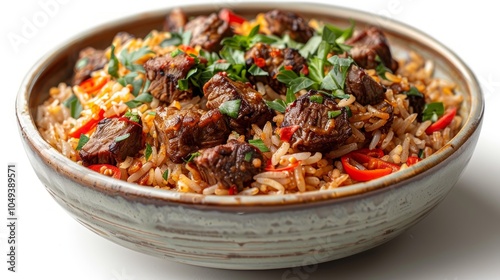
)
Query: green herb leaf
[
  {"x": 192, "y": 156},
  {"x": 74, "y": 105},
  {"x": 248, "y": 156},
  {"x": 290, "y": 96},
  {"x": 277, "y": 104},
  {"x": 259, "y": 144},
  {"x": 255, "y": 70},
  {"x": 334, "y": 114},
  {"x": 432, "y": 111},
  {"x": 316, "y": 98},
  {"x": 82, "y": 62},
  {"x": 129, "y": 60},
  {"x": 148, "y": 151},
  {"x": 113, "y": 63},
  {"x": 183, "y": 84},
  {"x": 165, "y": 175},
  {"x": 132, "y": 116},
  {"x": 122, "y": 137},
  {"x": 140, "y": 99},
  {"x": 311, "y": 46},
  {"x": 413, "y": 92},
  {"x": 300, "y": 83},
  {"x": 286, "y": 76},
  {"x": 82, "y": 141},
  {"x": 231, "y": 108}
]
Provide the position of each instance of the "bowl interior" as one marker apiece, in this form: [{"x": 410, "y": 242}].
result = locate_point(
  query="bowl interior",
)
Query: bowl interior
[{"x": 57, "y": 66}]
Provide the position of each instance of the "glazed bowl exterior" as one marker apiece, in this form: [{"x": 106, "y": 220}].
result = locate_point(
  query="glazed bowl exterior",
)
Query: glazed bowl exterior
[{"x": 263, "y": 232}]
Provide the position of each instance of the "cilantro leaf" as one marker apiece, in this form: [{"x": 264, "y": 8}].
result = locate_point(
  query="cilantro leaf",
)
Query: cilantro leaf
[
  {"x": 140, "y": 99},
  {"x": 129, "y": 60},
  {"x": 82, "y": 141},
  {"x": 148, "y": 151},
  {"x": 300, "y": 83}
]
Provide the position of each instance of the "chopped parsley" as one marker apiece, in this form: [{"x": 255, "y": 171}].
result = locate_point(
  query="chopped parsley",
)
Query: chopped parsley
[{"x": 413, "y": 92}]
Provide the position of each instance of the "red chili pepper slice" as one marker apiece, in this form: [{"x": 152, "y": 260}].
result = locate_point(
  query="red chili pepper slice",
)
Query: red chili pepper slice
[
  {"x": 259, "y": 61},
  {"x": 288, "y": 67},
  {"x": 375, "y": 167},
  {"x": 412, "y": 160},
  {"x": 289, "y": 167},
  {"x": 86, "y": 127},
  {"x": 115, "y": 171},
  {"x": 233, "y": 190},
  {"x": 94, "y": 84},
  {"x": 304, "y": 70},
  {"x": 287, "y": 132},
  {"x": 443, "y": 122},
  {"x": 230, "y": 17}
]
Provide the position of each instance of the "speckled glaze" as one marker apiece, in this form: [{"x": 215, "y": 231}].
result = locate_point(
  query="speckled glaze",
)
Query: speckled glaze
[{"x": 250, "y": 232}]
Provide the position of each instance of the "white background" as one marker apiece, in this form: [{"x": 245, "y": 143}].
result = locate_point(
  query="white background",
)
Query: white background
[{"x": 460, "y": 239}]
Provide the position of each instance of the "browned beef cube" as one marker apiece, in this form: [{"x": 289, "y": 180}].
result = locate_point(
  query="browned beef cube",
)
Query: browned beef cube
[
  {"x": 363, "y": 87},
  {"x": 114, "y": 140},
  {"x": 208, "y": 32},
  {"x": 253, "y": 109},
  {"x": 89, "y": 60},
  {"x": 369, "y": 44},
  {"x": 231, "y": 164},
  {"x": 186, "y": 131},
  {"x": 274, "y": 59},
  {"x": 164, "y": 72},
  {"x": 175, "y": 21},
  {"x": 319, "y": 128},
  {"x": 282, "y": 22}
]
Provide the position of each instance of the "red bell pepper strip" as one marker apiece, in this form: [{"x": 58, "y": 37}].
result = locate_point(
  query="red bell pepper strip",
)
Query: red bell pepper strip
[
  {"x": 375, "y": 167},
  {"x": 116, "y": 172},
  {"x": 86, "y": 127},
  {"x": 94, "y": 84},
  {"x": 412, "y": 160},
  {"x": 287, "y": 132},
  {"x": 230, "y": 17},
  {"x": 259, "y": 61},
  {"x": 442, "y": 122}
]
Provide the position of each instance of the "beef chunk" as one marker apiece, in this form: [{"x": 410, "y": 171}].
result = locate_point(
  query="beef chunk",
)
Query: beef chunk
[
  {"x": 186, "y": 131},
  {"x": 175, "y": 21},
  {"x": 208, "y": 32},
  {"x": 316, "y": 132},
  {"x": 231, "y": 164},
  {"x": 363, "y": 87},
  {"x": 109, "y": 144},
  {"x": 89, "y": 60},
  {"x": 281, "y": 22},
  {"x": 369, "y": 44},
  {"x": 164, "y": 72},
  {"x": 253, "y": 109},
  {"x": 274, "y": 59}
]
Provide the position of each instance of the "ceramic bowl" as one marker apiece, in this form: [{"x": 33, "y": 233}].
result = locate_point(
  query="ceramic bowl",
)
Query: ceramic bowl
[{"x": 236, "y": 232}]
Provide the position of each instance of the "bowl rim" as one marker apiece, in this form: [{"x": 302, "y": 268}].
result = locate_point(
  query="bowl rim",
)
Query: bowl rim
[{"x": 143, "y": 194}]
